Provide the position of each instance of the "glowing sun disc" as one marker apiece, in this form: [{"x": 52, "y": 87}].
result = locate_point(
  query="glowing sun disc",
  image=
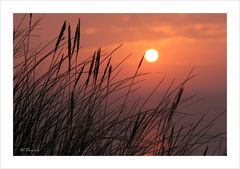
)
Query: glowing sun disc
[{"x": 151, "y": 55}]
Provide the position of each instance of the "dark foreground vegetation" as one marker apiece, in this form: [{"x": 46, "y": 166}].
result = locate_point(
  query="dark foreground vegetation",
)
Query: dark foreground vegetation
[{"x": 65, "y": 104}]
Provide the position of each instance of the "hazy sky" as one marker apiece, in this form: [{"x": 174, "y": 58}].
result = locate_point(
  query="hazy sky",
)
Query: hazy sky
[{"x": 182, "y": 40}]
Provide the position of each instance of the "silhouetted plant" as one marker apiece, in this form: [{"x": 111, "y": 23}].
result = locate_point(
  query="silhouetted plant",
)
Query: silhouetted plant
[{"x": 63, "y": 104}]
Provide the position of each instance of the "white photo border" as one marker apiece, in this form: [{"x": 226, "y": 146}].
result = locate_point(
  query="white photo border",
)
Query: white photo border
[{"x": 230, "y": 7}]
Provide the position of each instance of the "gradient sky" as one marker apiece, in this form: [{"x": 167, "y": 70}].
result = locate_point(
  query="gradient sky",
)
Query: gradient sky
[{"x": 182, "y": 40}]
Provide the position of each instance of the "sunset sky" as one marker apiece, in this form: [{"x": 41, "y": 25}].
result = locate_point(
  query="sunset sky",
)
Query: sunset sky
[{"x": 183, "y": 41}]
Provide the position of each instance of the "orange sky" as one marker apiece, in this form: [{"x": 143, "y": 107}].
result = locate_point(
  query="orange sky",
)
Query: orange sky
[{"x": 182, "y": 40}]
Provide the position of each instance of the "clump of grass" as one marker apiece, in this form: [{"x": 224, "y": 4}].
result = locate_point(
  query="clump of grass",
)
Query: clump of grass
[{"x": 64, "y": 108}]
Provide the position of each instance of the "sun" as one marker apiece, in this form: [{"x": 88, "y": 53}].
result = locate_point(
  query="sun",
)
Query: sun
[{"x": 151, "y": 55}]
